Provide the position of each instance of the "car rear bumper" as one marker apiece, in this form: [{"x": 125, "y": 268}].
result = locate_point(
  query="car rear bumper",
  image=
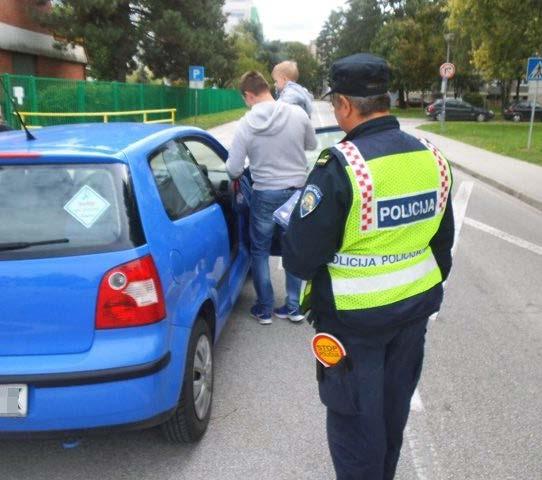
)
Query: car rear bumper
[{"x": 130, "y": 396}]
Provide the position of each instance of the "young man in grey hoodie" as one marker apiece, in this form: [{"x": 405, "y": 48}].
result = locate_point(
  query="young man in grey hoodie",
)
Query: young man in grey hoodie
[
  {"x": 285, "y": 75},
  {"x": 274, "y": 136}
]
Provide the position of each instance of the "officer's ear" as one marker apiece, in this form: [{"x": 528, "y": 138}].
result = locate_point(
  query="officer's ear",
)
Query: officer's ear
[{"x": 346, "y": 106}]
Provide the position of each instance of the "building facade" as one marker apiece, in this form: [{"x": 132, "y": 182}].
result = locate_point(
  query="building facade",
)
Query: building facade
[
  {"x": 28, "y": 49},
  {"x": 238, "y": 11}
]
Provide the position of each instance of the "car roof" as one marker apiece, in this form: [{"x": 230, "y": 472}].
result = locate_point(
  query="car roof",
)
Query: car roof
[{"x": 90, "y": 139}]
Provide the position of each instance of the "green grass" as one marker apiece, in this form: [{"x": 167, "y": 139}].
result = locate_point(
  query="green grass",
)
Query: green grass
[
  {"x": 213, "y": 119},
  {"x": 505, "y": 138}
]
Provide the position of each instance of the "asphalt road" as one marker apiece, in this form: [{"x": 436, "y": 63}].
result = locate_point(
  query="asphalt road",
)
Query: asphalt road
[{"x": 476, "y": 415}]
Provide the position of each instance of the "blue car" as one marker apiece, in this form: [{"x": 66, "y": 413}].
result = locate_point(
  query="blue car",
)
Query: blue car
[{"x": 122, "y": 253}]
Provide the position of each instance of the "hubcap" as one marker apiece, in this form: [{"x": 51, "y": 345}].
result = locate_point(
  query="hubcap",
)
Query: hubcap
[{"x": 202, "y": 377}]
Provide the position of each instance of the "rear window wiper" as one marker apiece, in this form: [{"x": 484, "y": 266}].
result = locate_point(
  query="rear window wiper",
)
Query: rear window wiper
[{"x": 21, "y": 245}]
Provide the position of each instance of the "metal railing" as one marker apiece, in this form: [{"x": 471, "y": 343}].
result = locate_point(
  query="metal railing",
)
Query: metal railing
[
  {"x": 105, "y": 115},
  {"x": 57, "y": 95}
]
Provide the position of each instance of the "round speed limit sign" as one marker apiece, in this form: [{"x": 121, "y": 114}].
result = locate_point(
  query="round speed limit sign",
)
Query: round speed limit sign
[{"x": 447, "y": 70}]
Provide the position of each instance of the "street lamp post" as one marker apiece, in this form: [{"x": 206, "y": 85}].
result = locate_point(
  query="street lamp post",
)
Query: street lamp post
[{"x": 448, "y": 37}]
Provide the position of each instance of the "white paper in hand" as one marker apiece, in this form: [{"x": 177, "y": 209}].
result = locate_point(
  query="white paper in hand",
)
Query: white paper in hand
[{"x": 282, "y": 214}]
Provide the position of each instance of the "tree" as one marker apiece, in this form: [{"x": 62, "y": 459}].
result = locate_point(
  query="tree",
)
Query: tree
[
  {"x": 257, "y": 54},
  {"x": 179, "y": 33},
  {"x": 103, "y": 27},
  {"x": 248, "y": 51},
  {"x": 413, "y": 46},
  {"x": 362, "y": 22},
  {"x": 502, "y": 34},
  {"x": 327, "y": 43},
  {"x": 165, "y": 35},
  {"x": 309, "y": 72}
]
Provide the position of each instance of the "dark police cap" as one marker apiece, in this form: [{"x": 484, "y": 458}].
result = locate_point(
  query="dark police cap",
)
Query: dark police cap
[{"x": 359, "y": 75}]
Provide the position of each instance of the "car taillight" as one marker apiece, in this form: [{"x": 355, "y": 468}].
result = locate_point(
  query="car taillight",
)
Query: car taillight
[
  {"x": 431, "y": 108},
  {"x": 130, "y": 295}
]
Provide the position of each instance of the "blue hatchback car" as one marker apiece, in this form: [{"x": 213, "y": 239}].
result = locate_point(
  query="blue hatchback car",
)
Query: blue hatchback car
[{"x": 122, "y": 253}]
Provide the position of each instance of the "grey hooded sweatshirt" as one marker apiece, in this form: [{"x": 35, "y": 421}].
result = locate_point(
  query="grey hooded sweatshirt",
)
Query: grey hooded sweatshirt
[
  {"x": 274, "y": 137},
  {"x": 297, "y": 95}
]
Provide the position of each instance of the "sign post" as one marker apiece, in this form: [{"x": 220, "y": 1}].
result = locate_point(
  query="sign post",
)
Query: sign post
[
  {"x": 534, "y": 74},
  {"x": 196, "y": 80},
  {"x": 447, "y": 71}
]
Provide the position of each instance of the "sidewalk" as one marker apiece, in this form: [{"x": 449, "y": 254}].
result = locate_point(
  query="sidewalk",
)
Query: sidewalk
[{"x": 515, "y": 177}]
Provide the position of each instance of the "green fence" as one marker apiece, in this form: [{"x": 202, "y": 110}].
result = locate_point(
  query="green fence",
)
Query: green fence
[{"x": 59, "y": 95}]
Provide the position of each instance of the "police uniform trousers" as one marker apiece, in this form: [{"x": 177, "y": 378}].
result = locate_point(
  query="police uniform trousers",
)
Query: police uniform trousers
[{"x": 368, "y": 400}]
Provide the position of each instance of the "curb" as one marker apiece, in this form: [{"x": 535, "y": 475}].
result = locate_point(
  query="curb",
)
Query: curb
[{"x": 504, "y": 188}]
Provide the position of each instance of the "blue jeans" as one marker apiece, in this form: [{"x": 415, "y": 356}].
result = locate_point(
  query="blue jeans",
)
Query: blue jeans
[{"x": 262, "y": 228}]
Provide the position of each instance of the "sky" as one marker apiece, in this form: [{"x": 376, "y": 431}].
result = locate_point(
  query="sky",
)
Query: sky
[{"x": 294, "y": 20}]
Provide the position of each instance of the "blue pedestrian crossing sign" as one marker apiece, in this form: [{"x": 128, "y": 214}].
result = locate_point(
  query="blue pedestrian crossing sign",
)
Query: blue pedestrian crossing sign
[
  {"x": 534, "y": 69},
  {"x": 196, "y": 73}
]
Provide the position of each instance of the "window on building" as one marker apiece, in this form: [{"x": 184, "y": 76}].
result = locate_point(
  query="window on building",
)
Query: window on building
[{"x": 23, "y": 64}]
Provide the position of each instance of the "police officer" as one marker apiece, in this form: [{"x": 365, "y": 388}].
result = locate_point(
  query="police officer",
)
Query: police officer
[{"x": 372, "y": 234}]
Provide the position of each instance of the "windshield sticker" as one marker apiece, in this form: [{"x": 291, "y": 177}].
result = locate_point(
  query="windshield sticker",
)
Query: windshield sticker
[{"x": 87, "y": 206}]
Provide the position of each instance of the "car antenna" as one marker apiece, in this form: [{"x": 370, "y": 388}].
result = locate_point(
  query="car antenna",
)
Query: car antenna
[{"x": 29, "y": 136}]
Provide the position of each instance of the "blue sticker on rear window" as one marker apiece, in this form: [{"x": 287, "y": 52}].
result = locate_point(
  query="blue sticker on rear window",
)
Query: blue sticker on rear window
[{"x": 403, "y": 210}]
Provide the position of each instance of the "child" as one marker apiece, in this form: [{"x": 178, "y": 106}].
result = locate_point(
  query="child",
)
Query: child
[{"x": 285, "y": 76}]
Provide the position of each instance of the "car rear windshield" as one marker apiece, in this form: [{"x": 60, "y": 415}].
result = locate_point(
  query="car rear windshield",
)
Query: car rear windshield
[{"x": 68, "y": 209}]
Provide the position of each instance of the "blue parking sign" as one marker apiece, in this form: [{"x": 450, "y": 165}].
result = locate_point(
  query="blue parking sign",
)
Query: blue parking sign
[
  {"x": 196, "y": 73},
  {"x": 534, "y": 69}
]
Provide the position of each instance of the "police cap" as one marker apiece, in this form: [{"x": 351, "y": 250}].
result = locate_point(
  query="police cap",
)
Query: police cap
[{"x": 359, "y": 75}]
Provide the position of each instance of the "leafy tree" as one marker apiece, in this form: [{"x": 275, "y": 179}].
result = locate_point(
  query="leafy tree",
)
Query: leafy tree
[
  {"x": 258, "y": 54},
  {"x": 179, "y": 33},
  {"x": 103, "y": 27},
  {"x": 502, "y": 34},
  {"x": 309, "y": 71},
  {"x": 166, "y": 35},
  {"x": 327, "y": 44},
  {"x": 362, "y": 21},
  {"x": 413, "y": 46},
  {"x": 248, "y": 51}
]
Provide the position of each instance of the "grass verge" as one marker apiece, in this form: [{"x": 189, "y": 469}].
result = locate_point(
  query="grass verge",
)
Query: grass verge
[
  {"x": 213, "y": 119},
  {"x": 505, "y": 138}
]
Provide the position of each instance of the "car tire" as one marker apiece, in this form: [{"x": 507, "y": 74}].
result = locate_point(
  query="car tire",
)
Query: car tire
[
  {"x": 439, "y": 117},
  {"x": 191, "y": 417},
  {"x": 481, "y": 117},
  {"x": 516, "y": 117}
]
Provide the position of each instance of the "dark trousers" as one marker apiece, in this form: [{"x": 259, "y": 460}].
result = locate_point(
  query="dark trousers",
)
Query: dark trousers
[{"x": 368, "y": 402}]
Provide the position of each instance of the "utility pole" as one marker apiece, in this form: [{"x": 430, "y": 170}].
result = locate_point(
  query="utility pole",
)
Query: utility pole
[{"x": 448, "y": 37}]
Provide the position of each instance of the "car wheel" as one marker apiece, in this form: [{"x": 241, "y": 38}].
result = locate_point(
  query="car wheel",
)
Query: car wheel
[
  {"x": 191, "y": 417},
  {"x": 516, "y": 117},
  {"x": 439, "y": 117},
  {"x": 480, "y": 117}
]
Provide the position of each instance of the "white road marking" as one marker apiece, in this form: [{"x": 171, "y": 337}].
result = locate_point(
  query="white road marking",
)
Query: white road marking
[
  {"x": 417, "y": 433},
  {"x": 422, "y": 449},
  {"x": 460, "y": 203},
  {"x": 416, "y": 404},
  {"x": 519, "y": 242}
]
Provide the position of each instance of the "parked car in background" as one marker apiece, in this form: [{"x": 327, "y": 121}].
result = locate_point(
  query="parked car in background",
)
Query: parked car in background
[
  {"x": 458, "y": 110},
  {"x": 521, "y": 112},
  {"x": 122, "y": 254}
]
